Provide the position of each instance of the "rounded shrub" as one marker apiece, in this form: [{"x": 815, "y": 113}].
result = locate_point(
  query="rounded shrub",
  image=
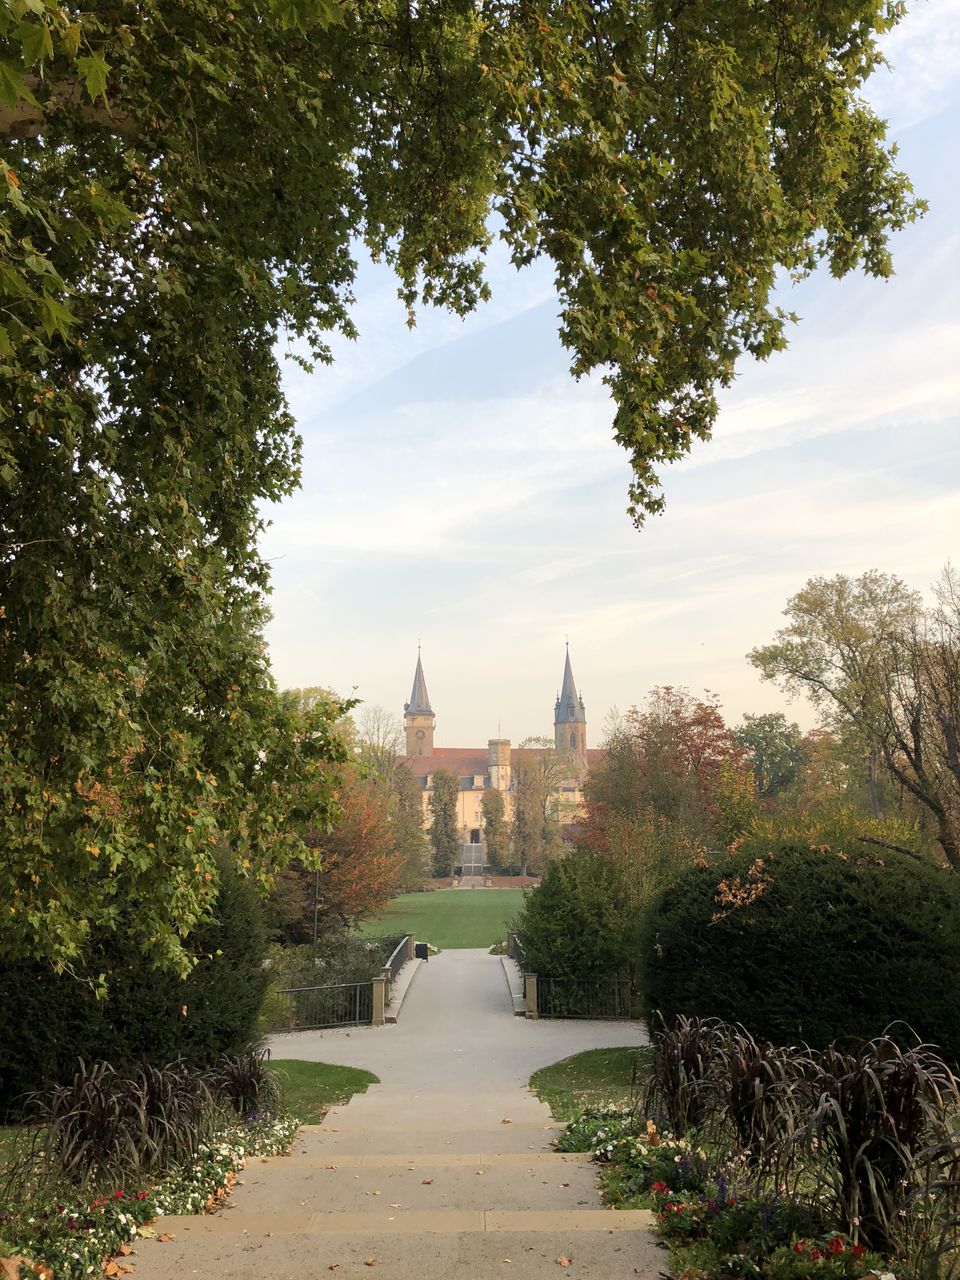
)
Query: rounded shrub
[
  {"x": 814, "y": 946},
  {"x": 48, "y": 1021}
]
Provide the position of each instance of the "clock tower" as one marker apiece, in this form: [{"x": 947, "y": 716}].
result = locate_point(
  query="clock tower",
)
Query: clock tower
[{"x": 418, "y": 718}]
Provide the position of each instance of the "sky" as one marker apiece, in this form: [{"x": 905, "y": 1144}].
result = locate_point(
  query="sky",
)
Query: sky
[{"x": 462, "y": 492}]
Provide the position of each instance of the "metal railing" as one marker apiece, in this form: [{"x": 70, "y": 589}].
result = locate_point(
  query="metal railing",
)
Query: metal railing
[
  {"x": 302, "y": 1008},
  {"x": 398, "y": 958},
  {"x": 576, "y": 998},
  {"x": 515, "y": 949}
]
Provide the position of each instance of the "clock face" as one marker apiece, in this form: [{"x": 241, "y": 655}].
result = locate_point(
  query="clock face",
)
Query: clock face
[{"x": 420, "y": 735}]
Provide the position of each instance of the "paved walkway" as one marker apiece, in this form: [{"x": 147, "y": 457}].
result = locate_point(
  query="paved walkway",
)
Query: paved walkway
[{"x": 446, "y": 1164}]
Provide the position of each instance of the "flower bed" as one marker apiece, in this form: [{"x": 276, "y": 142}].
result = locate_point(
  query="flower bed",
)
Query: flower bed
[
  {"x": 75, "y": 1238},
  {"x": 713, "y": 1228}
]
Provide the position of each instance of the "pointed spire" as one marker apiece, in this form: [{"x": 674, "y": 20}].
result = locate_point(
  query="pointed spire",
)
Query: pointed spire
[
  {"x": 419, "y": 703},
  {"x": 569, "y": 708}
]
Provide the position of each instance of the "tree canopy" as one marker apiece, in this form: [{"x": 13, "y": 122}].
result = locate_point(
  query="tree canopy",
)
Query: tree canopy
[
  {"x": 184, "y": 186},
  {"x": 885, "y": 671}
]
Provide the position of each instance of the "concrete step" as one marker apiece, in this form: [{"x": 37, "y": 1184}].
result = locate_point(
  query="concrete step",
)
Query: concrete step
[
  {"x": 420, "y": 1221},
  {"x": 465, "y": 1121},
  {"x": 405, "y": 1189},
  {"x": 418, "y": 1141},
  {"x": 524, "y": 1159},
  {"x": 593, "y": 1254}
]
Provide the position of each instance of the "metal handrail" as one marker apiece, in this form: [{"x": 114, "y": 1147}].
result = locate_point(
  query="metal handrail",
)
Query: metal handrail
[{"x": 399, "y": 957}]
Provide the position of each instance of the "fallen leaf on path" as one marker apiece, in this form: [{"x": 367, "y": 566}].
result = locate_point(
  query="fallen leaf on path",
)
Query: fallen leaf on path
[
  {"x": 426, "y": 1182},
  {"x": 479, "y": 1171},
  {"x": 124, "y": 1250},
  {"x": 564, "y": 1184},
  {"x": 371, "y": 1262},
  {"x": 508, "y": 1259},
  {"x": 269, "y": 1234},
  {"x": 111, "y": 1269},
  {"x": 332, "y": 1166},
  {"x": 505, "y": 1122},
  {"x": 334, "y": 1266},
  {"x": 166, "y": 1238},
  {"x": 10, "y": 1267},
  {"x": 148, "y": 1233},
  {"x": 564, "y": 1262},
  {"x": 396, "y": 1206}
]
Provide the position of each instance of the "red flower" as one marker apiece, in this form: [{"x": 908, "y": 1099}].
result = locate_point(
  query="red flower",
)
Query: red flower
[
  {"x": 837, "y": 1245},
  {"x": 800, "y": 1246},
  {"x": 142, "y": 1195},
  {"x": 660, "y": 1189},
  {"x": 815, "y": 1254},
  {"x": 118, "y": 1195},
  {"x": 858, "y": 1250}
]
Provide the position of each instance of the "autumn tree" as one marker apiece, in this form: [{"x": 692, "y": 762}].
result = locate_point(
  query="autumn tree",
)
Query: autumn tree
[
  {"x": 496, "y": 829},
  {"x": 666, "y": 757},
  {"x": 380, "y": 752},
  {"x": 878, "y": 668},
  {"x": 184, "y": 189},
  {"x": 444, "y": 829},
  {"x": 539, "y": 774}
]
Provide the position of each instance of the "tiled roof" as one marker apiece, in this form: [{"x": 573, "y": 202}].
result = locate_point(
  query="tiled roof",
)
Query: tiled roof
[{"x": 470, "y": 761}]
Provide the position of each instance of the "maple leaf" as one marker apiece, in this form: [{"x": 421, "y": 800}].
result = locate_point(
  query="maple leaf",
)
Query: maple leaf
[{"x": 564, "y": 1262}]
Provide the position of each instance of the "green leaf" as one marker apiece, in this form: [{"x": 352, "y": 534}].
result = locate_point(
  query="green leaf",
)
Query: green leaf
[
  {"x": 55, "y": 317},
  {"x": 13, "y": 87},
  {"x": 35, "y": 41},
  {"x": 94, "y": 68}
]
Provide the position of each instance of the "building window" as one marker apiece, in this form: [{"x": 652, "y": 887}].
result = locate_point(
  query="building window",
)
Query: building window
[
  {"x": 474, "y": 835},
  {"x": 573, "y": 741}
]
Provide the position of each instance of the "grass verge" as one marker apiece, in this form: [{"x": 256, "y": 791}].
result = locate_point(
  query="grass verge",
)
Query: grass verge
[
  {"x": 451, "y": 919},
  {"x": 598, "y": 1077},
  {"x": 309, "y": 1088}
]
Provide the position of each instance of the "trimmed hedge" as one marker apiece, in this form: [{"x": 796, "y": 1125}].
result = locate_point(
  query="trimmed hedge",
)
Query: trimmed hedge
[
  {"x": 823, "y": 946},
  {"x": 575, "y": 925},
  {"x": 48, "y": 1020}
]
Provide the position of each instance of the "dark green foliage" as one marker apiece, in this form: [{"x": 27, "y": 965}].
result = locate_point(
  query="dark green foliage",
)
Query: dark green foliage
[
  {"x": 48, "y": 1021},
  {"x": 444, "y": 836},
  {"x": 574, "y": 925},
  {"x": 102, "y": 1127},
  {"x": 810, "y": 946},
  {"x": 496, "y": 829}
]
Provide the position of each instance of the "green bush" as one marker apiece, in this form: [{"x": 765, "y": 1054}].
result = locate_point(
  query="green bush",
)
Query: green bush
[
  {"x": 574, "y": 925},
  {"x": 48, "y": 1021},
  {"x": 810, "y": 945}
]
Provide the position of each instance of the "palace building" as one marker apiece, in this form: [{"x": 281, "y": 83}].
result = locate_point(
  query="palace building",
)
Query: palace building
[{"x": 480, "y": 768}]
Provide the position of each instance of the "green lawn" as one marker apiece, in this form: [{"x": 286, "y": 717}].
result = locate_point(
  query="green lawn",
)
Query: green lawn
[
  {"x": 590, "y": 1079},
  {"x": 310, "y": 1087},
  {"x": 450, "y": 918}
]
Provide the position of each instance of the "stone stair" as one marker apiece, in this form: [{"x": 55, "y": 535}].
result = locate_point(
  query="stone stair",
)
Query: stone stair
[{"x": 415, "y": 1188}]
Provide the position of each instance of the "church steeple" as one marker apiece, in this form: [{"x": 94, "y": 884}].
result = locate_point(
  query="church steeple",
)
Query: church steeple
[
  {"x": 570, "y": 718},
  {"x": 418, "y": 717}
]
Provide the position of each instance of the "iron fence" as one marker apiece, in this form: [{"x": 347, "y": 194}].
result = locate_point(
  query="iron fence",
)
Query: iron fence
[
  {"x": 515, "y": 949},
  {"x": 304, "y": 1008},
  {"x": 576, "y": 998}
]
